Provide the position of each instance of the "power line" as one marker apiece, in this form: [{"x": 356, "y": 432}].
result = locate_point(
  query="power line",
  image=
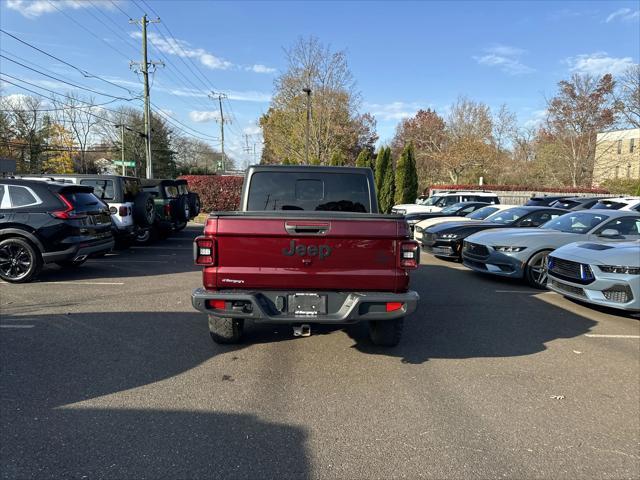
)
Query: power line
[
  {"x": 84, "y": 73},
  {"x": 86, "y": 29},
  {"x": 68, "y": 83},
  {"x": 118, "y": 7},
  {"x": 125, "y": 38}
]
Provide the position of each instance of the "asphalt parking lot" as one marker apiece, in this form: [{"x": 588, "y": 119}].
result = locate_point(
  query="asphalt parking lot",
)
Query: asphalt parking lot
[{"x": 108, "y": 372}]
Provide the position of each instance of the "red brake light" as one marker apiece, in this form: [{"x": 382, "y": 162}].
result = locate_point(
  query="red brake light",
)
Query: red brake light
[
  {"x": 204, "y": 251},
  {"x": 409, "y": 254},
  {"x": 69, "y": 209},
  {"x": 393, "y": 306},
  {"x": 123, "y": 211},
  {"x": 167, "y": 210},
  {"x": 217, "y": 304}
]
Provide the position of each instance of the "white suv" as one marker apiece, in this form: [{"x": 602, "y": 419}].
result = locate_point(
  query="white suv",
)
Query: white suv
[
  {"x": 443, "y": 199},
  {"x": 619, "y": 203}
]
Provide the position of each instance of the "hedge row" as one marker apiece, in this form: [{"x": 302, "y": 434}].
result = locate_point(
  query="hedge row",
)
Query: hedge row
[
  {"x": 217, "y": 193},
  {"x": 518, "y": 188}
]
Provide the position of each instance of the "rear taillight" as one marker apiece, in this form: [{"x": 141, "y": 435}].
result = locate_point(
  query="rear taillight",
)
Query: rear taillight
[
  {"x": 409, "y": 254},
  {"x": 123, "y": 211},
  {"x": 68, "y": 211},
  {"x": 216, "y": 304},
  {"x": 204, "y": 251},
  {"x": 167, "y": 210},
  {"x": 394, "y": 306}
]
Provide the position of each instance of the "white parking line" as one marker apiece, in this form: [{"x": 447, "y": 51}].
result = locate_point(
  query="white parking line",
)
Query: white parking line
[
  {"x": 17, "y": 326},
  {"x": 597, "y": 335}
]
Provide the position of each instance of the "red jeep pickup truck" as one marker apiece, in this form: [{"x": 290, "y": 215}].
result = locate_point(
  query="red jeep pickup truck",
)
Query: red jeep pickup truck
[{"x": 308, "y": 247}]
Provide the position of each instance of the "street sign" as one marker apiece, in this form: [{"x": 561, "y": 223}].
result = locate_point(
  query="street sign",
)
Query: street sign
[{"x": 126, "y": 164}]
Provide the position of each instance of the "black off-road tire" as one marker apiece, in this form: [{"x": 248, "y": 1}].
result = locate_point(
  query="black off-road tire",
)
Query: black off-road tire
[
  {"x": 194, "y": 204},
  {"x": 147, "y": 236},
  {"x": 23, "y": 252},
  {"x": 386, "y": 333},
  {"x": 144, "y": 210},
  {"x": 225, "y": 331},
  {"x": 181, "y": 210},
  {"x": 180, "y": 226}
]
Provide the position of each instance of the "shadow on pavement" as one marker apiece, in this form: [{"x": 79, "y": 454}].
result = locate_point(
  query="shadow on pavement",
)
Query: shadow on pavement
[
  {"x": 122, "y": 444},
  {"x": 138, "y": 261},
  {"x": 66, "y": 359},
  {"x": 480, "y": 317}
]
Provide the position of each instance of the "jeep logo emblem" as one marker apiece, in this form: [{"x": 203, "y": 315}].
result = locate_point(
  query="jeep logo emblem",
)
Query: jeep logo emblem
[{"x": 320, "y": 251}]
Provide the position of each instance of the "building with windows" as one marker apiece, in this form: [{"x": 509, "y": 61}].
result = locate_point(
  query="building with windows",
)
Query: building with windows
[{"x": 617, "y": 156}]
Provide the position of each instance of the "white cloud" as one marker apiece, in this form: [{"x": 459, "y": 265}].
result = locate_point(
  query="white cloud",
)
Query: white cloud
[
  {"x": 202, "y": 116},
  {"x": 252, "y": 130},
  {"x": 536, "y": 119},
  {"x": 598, "y": 63},
  {"x": 505, "y": 58},
  {"x": 258, "y": 68},
  {"x": 35, "y": 8},
  {"x": 182, "y": 48},
  {"x": 623, "y": 15},
  {"x": 393, "y": 110}
]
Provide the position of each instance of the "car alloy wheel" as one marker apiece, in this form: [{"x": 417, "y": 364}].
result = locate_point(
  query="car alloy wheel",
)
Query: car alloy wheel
[
  {"x": 538, "y": 269},
  {"x": 150, "y": 212},
  {"x": 15, "y": 261}
]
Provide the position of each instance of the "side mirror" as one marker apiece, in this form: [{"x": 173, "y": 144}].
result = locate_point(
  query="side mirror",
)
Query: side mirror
[{"x": 610, "y": 233}]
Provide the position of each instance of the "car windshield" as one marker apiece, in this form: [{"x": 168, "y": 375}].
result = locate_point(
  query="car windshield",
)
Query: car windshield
[
  {"x": 608, "y": 205},
  {"x": 482, "y": 213},
  {"x": 576, "y": 222},
  {"x": 566, "y": 204},
  {"x": 507, "y": 216},
  {"x": 421, "y": 200},
  {"x": 453, "y": 208},
  {"x": 431, "y": 200}
]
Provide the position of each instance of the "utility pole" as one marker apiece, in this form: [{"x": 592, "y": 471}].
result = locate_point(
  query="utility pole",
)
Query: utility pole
[
  {"x": 144, "y": 69},
  {"x": 220, "y": 96},
  {"x": 124, "y": 172},
  {"x": 306, "y": 143}
]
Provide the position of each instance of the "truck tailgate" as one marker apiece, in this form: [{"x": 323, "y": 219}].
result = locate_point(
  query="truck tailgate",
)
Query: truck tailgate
[{"x": 306, "y": 252}]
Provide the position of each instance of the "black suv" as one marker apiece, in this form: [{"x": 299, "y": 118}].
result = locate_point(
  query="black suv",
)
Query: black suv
[
  {"x": 172, "y": 209},
  {"x": 49, "y": 222},
  {"x": 193, "y": 199}
]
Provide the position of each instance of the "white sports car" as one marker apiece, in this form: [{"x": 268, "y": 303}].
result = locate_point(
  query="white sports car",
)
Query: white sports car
[{"x": 598, "y": 273}]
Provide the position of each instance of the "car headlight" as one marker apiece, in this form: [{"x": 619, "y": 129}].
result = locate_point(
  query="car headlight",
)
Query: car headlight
[
  {"x": 620, "y": 269},
  {"x": 449, "y": 236},
  {"x": 509, "y": 249},
  {"x": 419, "y": 229}
]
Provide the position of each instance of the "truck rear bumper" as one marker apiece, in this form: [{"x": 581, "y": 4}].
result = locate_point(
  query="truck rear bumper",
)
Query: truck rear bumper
[{"x": 344, "y": 307}]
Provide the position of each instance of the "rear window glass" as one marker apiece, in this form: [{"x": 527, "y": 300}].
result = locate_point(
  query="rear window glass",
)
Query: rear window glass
[
  {"x": 344, "y": 192},
  {"x": 1, "y": 193},
  {"x": 171, "y": 192},
  {"x": 84, "y": 201},
  {"x": 102, "y": 189},
  {"x": 21, "y": 197},
  {"x": 182, "y": 188},
  {"x": 131, "y": 188}
]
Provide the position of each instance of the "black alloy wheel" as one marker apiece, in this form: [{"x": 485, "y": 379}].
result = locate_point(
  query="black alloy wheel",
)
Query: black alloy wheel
[{"x": 19, "y": 261}]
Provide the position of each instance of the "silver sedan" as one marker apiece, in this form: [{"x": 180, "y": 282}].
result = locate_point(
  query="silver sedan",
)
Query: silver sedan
[{"x": 522, "y": 253}]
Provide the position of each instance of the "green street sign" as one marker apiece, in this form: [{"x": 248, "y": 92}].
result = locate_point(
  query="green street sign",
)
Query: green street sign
[{"x": 126, "y": 164}]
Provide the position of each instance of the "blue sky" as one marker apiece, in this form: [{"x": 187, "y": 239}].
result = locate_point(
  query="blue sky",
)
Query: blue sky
[{"x": 404, "y": 55}]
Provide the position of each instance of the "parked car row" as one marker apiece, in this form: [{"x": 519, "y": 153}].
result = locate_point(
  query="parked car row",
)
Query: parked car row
[
  {"x": 603, "y": 267},
  {"x": 65, "y": 219}
]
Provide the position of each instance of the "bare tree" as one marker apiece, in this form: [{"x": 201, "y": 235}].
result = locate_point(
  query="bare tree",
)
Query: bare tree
[
  {"x": 23, "y": 133},
  {"x": 627, "y": 96},
  {"x": 79, "y": 116},
  {"x": 581, "y": 109}
]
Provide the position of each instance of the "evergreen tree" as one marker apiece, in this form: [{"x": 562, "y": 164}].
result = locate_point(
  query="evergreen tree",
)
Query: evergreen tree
[
  {"x": 387, "y": 191},
  {"x": 364, "y": 158},
  {"x": 337, "y": 159},
  {"x": 380, "y": 169},
  {"x": 406, "y": 177}
]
